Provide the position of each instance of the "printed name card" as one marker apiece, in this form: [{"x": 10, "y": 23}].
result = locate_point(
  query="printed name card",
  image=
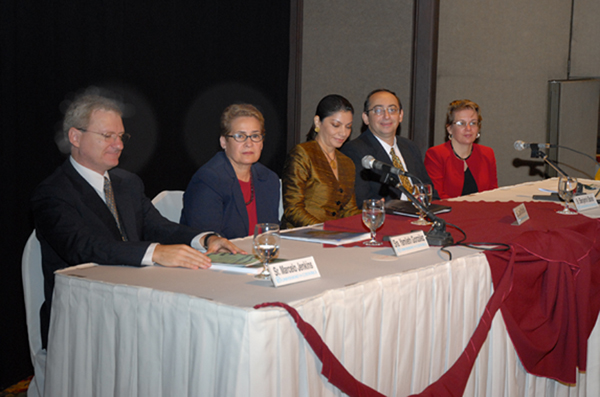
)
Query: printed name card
[
  {"x": 409, "y": 242},
  {"x": 585, "y": 202},
  {"x": 521, "y": 214},
  {"x": 294, "y": 271}
]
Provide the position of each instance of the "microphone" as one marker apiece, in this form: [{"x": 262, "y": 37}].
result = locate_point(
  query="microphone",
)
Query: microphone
[
  {"x": 520, "y": 145},
  {"x": 369, "y": 163},
  {"x": 438, "y": 234}
]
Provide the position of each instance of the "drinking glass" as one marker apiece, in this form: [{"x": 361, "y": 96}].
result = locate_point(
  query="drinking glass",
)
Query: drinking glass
[
  {"x": 566, "y": 190},
  {"x": 266, "y": 245},
  {"x": 373, "y": 215},
  {"x": 423, "y": 193}
]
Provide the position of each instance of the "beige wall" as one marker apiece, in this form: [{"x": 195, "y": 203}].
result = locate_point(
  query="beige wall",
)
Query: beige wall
[
  {"x": 501, "y": 54},
  {"x": 352, "y": 47}
]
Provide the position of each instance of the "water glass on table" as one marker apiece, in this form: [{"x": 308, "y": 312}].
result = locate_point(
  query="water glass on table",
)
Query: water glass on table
[
  {"x": 373, "y": 215},
  {"x": 567, "y": 186},
  {"x": 266, "y": 245},
  {"x": 424, "y": 193}
]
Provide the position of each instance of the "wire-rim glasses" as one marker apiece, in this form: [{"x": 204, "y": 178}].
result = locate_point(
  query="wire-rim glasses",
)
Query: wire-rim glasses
[
  {"x": 380, "y": 110},
  {"x": 110, "y": 136}
]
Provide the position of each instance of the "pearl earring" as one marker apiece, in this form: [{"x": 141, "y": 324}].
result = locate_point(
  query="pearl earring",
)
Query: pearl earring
[{"x": 478, "y": 135}]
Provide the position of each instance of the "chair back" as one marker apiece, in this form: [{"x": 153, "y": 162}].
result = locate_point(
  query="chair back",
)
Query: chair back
[
  {"x": 280, "y": 200},
  {"x": 33, "y": 288},
  {"x": 169, "y": 203}
]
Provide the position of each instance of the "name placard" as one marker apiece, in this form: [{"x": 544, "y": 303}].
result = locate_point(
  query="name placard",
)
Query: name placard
[
  {"x": 585, "y": 202},
  {"x": 293, "y": 271},
  {"x": 409, "y": 242},
  {"x": 521, "y": 214}
]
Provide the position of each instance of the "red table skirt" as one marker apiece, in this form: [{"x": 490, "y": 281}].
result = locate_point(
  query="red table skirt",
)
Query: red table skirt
[{"x": 547, "y": 285}]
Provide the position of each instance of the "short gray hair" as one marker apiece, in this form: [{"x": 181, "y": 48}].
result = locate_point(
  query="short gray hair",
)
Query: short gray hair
[
  {"x": 79, "y": 112},
  {"x": 236, "y": 110}
]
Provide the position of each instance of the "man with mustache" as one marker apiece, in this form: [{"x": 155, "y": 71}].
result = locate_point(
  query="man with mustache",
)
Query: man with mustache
[{"x": 383, "y": 114}]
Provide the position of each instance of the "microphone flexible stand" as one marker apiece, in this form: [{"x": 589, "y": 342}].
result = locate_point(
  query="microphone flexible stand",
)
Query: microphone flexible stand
[
  {"x": 437, "y": 235},
  {"x": 537, "y": 153}
]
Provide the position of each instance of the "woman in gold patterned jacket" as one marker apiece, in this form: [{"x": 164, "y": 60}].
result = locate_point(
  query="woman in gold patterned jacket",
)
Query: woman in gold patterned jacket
[{"x": 318, "y": 180}]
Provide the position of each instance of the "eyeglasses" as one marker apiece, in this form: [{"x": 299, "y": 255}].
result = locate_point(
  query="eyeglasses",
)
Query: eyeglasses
[
  {"x": 243, "y": 137},
  {"x": 462, "y": 123},
  {"x": 110, "y": 136},
  {"x": 380, "y": 110}
]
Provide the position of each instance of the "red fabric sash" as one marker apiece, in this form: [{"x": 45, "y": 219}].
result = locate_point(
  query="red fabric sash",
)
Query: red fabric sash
[
  {"x": 452, "y": 383},
  {"x": 332, "y": 369}
]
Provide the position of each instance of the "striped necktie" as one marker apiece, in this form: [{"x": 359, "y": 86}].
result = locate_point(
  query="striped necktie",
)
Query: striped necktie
[
  {"x": 398, "y": 164},
  {"x": 112, "y": 206}
]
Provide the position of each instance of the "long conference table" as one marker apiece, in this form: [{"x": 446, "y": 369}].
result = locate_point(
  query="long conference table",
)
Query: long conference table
[{"x": 396, "y": 324}]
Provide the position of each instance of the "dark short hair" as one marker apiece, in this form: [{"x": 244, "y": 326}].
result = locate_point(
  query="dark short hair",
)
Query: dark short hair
[
  {"x": 367, "y": 106},
  {"x": 236, "y": 110},
  {"x": 327, "y": 106}
]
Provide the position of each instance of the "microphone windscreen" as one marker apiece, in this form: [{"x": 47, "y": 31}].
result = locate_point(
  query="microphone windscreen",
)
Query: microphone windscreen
[
  {"x": 519, "y": 145},
  {"x": 367, "y": 161}
]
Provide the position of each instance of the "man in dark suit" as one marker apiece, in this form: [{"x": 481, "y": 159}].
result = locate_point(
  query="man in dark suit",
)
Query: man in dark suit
[
  {"x": 90, "y": 211},
  {"x": 383, "y": 114}
]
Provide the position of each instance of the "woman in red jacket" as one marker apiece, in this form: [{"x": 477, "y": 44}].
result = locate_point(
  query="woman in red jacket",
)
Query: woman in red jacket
[{"x": 460, "y": 166}]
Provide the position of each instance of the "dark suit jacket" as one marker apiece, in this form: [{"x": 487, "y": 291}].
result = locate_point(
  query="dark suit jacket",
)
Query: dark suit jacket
[
  {"x": 75, "y": 226},
  {"x": 214, "y": 201},
  {"x": 367, "y": 184}
]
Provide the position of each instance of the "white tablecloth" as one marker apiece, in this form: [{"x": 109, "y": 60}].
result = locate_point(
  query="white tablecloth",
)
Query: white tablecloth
[{"x": 396, "y": 324}]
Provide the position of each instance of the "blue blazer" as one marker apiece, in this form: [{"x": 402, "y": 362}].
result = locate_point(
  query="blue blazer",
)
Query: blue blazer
[
  {"x": 214, "y": 201},
  {"x": 366, "y": 183},
  {"x": 75, "y": 226}
]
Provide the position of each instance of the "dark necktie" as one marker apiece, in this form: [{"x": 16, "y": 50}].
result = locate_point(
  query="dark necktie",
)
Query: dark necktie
[
  {"x": 112, "y": 206},
  {"x": 398, "y": 164}
]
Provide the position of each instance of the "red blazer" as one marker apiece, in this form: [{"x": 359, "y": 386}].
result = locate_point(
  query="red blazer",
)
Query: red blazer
[{"x": 447, "y": 171}]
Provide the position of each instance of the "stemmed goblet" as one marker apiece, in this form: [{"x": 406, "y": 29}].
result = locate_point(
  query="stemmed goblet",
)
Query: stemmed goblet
[
  {"x": 423, "y": 193},
  {"x": 266, "y": 245},
  {"x": 567, "y": 186},
  {"x": 373, "y": 215}
]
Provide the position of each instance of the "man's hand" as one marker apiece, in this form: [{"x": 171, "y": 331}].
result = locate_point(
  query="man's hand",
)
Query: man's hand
[
  {"x": 181, "y": 255},
  {"x": 221, "y": 244}
]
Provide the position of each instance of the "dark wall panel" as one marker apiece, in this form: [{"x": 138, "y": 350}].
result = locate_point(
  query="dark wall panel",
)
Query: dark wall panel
[{"x": 574, "y": 124}]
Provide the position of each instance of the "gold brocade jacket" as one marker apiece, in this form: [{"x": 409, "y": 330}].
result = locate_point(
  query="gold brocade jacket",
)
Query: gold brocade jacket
[{"x": 311, "y": 192}]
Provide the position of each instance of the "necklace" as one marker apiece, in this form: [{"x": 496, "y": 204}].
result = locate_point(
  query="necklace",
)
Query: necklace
[
  {"x": 462, "y": 158},
  {"x": 251, "y": 191},
  {"x": 332, "y": 161}
]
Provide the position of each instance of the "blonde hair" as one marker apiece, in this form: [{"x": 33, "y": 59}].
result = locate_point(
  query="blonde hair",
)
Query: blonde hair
[{"x": 462, "y": 104}]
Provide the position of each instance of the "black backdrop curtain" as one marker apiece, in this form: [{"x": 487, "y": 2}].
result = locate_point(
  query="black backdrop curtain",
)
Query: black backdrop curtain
[{"x": 176, "y": 65}]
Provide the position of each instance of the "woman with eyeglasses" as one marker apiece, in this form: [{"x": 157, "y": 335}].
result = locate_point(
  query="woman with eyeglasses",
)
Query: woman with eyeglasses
[
  {"x": 232, "y": 192},
  {"x": 318, "y": 180},
  {"x": 460, "y": 166}
]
